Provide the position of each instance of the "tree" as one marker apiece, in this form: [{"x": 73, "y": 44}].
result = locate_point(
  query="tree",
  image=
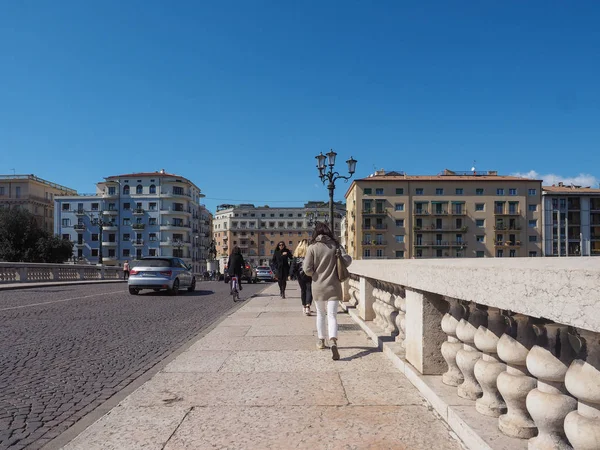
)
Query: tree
[{"x": 21, "y": 239}]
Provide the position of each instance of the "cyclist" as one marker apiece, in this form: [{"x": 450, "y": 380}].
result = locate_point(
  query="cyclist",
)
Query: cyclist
[{"x": 235, "y": 267}]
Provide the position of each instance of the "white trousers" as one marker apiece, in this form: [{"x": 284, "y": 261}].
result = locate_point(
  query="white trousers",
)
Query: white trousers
[{"x": 327, "y": 316}]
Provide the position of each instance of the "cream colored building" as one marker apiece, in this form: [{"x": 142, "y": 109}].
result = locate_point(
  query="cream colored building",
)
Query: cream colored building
[
  {"x": 256, "y": 230},
  {"x": 33, "y": 194},
  {"x": 571, "y": 220},
  {"x": 450, "y": 215}
]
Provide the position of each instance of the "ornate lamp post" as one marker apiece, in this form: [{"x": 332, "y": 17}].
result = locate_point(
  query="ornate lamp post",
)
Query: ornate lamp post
[
  {"x": 326, "y": 173},
  {"x": 100, "y": 223}
]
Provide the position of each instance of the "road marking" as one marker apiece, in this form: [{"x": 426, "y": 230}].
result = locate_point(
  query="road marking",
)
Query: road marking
[{"x": 59, "y": 301}]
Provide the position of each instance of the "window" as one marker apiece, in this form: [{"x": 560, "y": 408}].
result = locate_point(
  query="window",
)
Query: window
[
  {"x": 367, "y": 191},
  {"x": 499, "y": 253},
  {"x": 499, "y": 191},
  {"x": 2, "y": 191},
  {"x": 367, "y": 253},
  {"x": 379, "y": 253},
  {"x": 152, "y": 237},
  {"x": 112, "y": 207},
  {"x": 480, "y": 238},
  {"x": 479, "y": 254},
  {"x": 95, "y": 252},
  {"x": 531, "y": 192},
  {"x": 479, "y": 191},
  {"x": 66, "y": 207},
  {"x": 399, "y": 207},
  {"x": 126, "y": 237},
  {"x": 94, "y": 206},
  {"x": 479, "y": 206},
  {"x": 532, "y": 254},
  {"x": 459, "y": 191},
  {"x": 480, "y": 223},
  {"x": 152, "y": 189},
  {"x": 419, "y": 191},
  {"x": 532, "y": 238},
  {"x": 512, "y": 192},
  {"x": 532, "y": 224},
  {"x": 126, "y": 189},
  {"x": 399, "y": 191},
  {"x": 532, "y": 208},
  {"x": 399, "y": 239},
  {"x": 152, "y": 252},
  {"x": 126, "y": 222},
  {"x": 378, "y": 191},
  {"x": 139, "y": 189},
  {"x": 399, "y": 253},
  {"x": 152, "y": 206},
  {"x": 152, "y": 221},
  {"x": 439, "y": 191},
  {"x": 126, "y": 252},
  {"x": 126, "y": 206},
  {"x": 399, "y": 222},
  {"x": 66, "y": 222},
  {"x": 94, "y": 236}
]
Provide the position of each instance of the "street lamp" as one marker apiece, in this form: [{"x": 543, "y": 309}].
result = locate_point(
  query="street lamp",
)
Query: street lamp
[
  {"x": 329, "y": 175},
  {"x": 100, "y": 223}
]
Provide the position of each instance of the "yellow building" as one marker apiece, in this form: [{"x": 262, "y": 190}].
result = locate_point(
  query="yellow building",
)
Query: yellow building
[
  {"x": 33, "y": 194},
  {"x": 450, "y": 215}
]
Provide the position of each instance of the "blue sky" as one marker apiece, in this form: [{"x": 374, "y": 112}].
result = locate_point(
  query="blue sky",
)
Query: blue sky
[{"x": 240, "y": 96}]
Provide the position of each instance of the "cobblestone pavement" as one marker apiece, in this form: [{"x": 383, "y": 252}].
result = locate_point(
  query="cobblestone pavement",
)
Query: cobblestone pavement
[{"x": 64, "y": 350}]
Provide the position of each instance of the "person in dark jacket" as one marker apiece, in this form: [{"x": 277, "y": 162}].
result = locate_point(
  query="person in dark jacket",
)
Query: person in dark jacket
[
  {"x": 304, "y": 281},
  {"x": 281, "y": 262},
  {"x": 235, "y": 265}
]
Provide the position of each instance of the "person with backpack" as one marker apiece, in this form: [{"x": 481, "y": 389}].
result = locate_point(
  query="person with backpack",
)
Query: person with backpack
[
  {"x": 304, "y": 281},
  {"x": 235, "y": 266}
]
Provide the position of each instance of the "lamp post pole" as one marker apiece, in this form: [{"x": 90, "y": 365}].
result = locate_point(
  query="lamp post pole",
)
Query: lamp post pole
[{"x": 327, "y": 174}]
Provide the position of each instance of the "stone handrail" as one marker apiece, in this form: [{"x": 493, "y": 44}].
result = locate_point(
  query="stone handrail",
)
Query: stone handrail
[
  {"x": 519, "y": 337},
  {"x": 13, "y": 272}
]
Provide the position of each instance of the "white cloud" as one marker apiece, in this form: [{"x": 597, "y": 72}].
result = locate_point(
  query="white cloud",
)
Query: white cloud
[{"x": 583, "y": 179}]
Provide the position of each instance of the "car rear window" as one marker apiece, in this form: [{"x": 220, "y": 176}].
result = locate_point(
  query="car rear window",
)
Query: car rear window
[
  {"x": 263, "y": 268},
  {"x": 155, "y": 262}
]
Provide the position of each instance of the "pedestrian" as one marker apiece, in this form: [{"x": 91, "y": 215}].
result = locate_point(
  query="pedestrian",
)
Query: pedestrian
[
  {"x": 320, "y": 264},
  {"x": 126, "y": 270},
  {"x": 304, "y": 281},
  {"x": 281, "y": 261},
  {"x": 235, "y": 266}
]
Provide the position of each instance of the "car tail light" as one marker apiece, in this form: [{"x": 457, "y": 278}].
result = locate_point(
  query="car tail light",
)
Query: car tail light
[
  {"x": 133, "y": 272},
  {"x": 166, "y": 273}
]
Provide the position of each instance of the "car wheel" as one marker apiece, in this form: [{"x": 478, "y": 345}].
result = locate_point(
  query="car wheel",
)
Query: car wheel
[
  {"x": 192, "y": 286},
  {"x": 175, "y": 289},
  {"x": 134, "y": 291}
]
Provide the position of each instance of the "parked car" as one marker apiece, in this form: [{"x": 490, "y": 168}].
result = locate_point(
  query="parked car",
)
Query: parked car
[
  {"x": 265, "y": 273},
  {"x": 160, "y": 272},
  {"x": 248, "y": 274}
]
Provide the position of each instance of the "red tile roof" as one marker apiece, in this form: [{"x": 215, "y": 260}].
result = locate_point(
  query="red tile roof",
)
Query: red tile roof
[{"x": 570, "y": 190}]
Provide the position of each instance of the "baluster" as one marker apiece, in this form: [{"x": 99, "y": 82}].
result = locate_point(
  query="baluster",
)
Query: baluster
[
  {"x": 549, "y": 404},
  {"x": 388, "y": 310},
  {"x": 456, "y": 311},
  {"x": 516, "y": 382},
  {"x": 468, "y": 355},
  {"x": 489, "y": 366},
  {"x": 582, "y": 380},
  {"x": 376, "y": 304},
  {"x": 400, "y": 304}
]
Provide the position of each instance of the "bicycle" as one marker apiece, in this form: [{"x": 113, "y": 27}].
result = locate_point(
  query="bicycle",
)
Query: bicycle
[{"x": 234, "y": 288}]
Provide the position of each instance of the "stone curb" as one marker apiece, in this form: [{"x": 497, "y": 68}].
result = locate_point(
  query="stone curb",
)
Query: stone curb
[
  {"x": 33, "y": 284},
  {"x": 475, "y": 431}
]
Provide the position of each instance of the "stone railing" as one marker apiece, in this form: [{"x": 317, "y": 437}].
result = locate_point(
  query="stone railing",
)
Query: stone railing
[
  {"x": 517, "y": 340},
  {"x": 33, "y": 272}
]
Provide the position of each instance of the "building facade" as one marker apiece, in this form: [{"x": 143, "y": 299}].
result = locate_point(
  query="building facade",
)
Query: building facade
[
  {"x": 571, "y": 220},
  {"x": 135, "y": 215},
  {"x": 450, "y": 215},
  {"x": 256, "y": 230},
  {"x": 33, "y": 194}
]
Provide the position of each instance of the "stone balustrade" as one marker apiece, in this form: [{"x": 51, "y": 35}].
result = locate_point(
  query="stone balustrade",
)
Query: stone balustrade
[
  {"x": 517, "y": 339},
  {"x": 36, "y": 272}
]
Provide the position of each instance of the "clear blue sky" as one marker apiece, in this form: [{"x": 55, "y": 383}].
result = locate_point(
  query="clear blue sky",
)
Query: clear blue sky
[{"x": 239, "y": 96}]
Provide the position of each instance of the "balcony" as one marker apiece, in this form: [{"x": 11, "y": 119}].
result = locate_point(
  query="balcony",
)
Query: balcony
[
  {"x": 175, "y": 212},
  {"x": 110, "y": 227},
  {"x": 447, "y": 229},
  {"x": 175, "y": 194},
  {"x": 138, "y": 226},
  {"x": 377, "y": 226},
  {"x": 374, "y": 212},
  {"x": 376, "y": 243},
  {"x": 137, "y": 242},
  {"x": 421, "y": 212},
  {"x": 461, "y": 212},
  {"x": 80, "y": 212},
  {"x": 109, "y": 243},
  {"x": 507, "y": 228},
  {"x": 138, "y": 211},
  {"x": 110, "y": 212},
  {"x": 79, "y": 227},
  {"x": 439, "y": 212},
  {"x": 505, "y": 212}
]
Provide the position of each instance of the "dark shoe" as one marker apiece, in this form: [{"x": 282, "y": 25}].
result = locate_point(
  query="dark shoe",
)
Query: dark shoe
[
  {"x": 283, "y": 295},
  {"x": 335, "y": 354},
  {"x": 241, "y": 286}
]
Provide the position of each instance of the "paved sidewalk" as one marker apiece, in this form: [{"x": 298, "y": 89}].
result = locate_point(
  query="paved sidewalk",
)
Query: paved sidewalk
[{"x": 257, "y": 381}]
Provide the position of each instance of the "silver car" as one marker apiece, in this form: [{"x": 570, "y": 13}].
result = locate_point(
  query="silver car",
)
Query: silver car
[
  {"x": 160, "y": 272},
  {"x": 265, "y": 273}
]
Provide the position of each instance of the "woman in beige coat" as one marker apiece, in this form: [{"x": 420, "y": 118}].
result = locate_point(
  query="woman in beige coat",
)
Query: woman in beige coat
[{"x": 320, "y": 264}]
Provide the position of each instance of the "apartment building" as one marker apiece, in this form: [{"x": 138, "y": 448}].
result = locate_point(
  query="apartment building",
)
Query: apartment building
[
  {"x": 33, "y": 194},
  {"x": 135, "y": 215},
  {"x": 571, "y": 220},
  {"x": 256, "y": 230},
  {"x": 450, "y": 215}
]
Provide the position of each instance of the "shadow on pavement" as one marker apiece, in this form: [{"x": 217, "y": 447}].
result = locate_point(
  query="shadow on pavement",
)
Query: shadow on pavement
[{"x": 366, "y": 351}]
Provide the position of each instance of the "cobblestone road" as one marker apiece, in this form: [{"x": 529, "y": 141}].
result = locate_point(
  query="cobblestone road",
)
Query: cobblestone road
[{"x": 64, "y": 350}]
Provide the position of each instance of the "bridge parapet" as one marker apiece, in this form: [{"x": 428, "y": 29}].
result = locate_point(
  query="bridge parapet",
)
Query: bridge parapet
[
  {"x": 36, "y": 272},
  {"x": 517, "y": 339}
]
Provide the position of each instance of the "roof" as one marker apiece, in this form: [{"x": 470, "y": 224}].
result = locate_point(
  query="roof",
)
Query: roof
[
  {"x": 570, "y": 190},
  {"x": 445, "y": 178},
  {"x": 146, "y": 174}
]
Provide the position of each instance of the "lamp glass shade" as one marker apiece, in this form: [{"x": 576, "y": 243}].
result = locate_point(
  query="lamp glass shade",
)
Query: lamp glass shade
[
  {"x": 331, "y": 157},
  {"x": 351, "y": 165},
  {"x": 320, "y": 161}
]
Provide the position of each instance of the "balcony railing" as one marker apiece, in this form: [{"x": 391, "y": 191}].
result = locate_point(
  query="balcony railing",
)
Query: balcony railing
[
  {"x": 498, "y": 326},
  {"x": 504, "y": 212},
  {"x": 138, "y": 226},
  {"x": 378, "y": 226},
  {"x": 433, "y": 228},
  {"x": 439, "y": 212},
  {"x": 376, "y": 243},
  {"x": 138, "y": 211},
  {"x": 79, "y": 227},
  {"x": 80, "y": 212},
  {"x": 421, "y": 212},
  {"x": 137, "y": 242}
]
